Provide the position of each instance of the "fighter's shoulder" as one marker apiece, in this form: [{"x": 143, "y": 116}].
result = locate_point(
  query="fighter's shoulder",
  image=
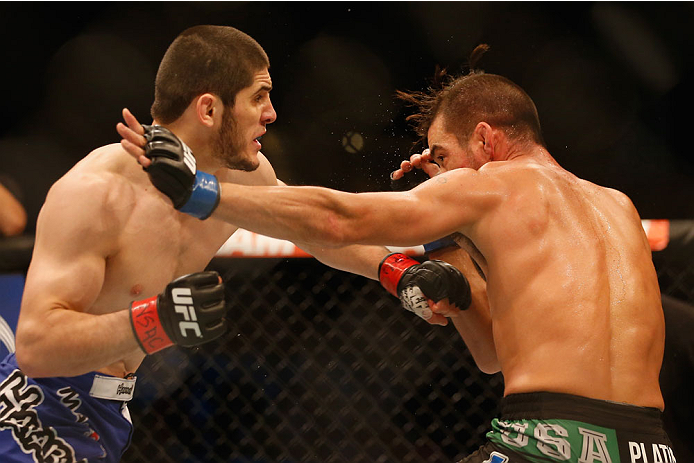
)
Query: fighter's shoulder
[
  {"x": 620, "y": 198},
  {"x": 526, "y": 176},
  {"x": 490, "y": 174},
  {"x": 97, "y": 183},
  {"x": 264, "y": 175}
]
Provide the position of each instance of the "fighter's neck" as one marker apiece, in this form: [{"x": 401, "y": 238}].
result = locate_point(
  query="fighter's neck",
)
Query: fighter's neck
[{"x": 535, "y": 153}]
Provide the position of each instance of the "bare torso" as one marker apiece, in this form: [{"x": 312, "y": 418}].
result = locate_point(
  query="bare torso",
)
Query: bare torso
[
  {"x": 157, "y": 244},
  {"x": 153, "y": 243},
  {"x": 572, "y": 290}
]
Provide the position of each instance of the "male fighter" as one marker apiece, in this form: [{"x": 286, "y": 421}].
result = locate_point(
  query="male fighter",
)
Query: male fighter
[
  {"x": 106, "y": 237},
  {"x": 576, "y": 324}
]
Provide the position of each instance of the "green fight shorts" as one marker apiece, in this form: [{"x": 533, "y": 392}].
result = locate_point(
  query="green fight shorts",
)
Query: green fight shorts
[{"x": 545, "y": 427}]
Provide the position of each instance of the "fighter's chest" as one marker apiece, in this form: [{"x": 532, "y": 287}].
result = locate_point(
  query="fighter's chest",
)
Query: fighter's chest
[{"x": 157, "y": 245}]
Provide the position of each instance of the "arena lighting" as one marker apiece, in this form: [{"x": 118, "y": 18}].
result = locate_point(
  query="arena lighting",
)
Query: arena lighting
[
  {"x": 341, "y": 98},
  {"x": 353, "y": 141}
]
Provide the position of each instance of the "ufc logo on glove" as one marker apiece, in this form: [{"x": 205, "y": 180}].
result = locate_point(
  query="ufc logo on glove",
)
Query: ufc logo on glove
[
  {"x": 190, "y": 311},
  {"x": 183, "y": 304}
]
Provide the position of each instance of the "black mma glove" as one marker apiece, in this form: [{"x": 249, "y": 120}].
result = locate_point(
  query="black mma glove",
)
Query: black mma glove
[
  {"x": 189, "y": 312},
  {"x": 173, "y": 172},
  {"x": 411, "y": 281}
]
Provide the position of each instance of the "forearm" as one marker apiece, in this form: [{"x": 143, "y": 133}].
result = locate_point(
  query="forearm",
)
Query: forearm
[
  {"x": 321, "y": 216},
  {"x": 298, "y": 214},
  {"x": 474, "y": 324},
  {"x": 68, "y": 343},
  {"x": 358, "y": 259},
  {"x": 475, "y": 328}
]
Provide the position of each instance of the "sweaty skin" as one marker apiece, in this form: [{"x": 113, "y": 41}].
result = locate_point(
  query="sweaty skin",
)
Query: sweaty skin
[
  {"x": 473, "y": 324},
  {"x": 572, "y": 291},
  {"x": 106, "y": 237}
]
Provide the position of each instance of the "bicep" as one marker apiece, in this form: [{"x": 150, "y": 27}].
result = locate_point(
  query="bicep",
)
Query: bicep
[
  {"x": 73, "y": 240},
  {"x": 448, "y": 203},
  {"x": 58, "y": 279}
]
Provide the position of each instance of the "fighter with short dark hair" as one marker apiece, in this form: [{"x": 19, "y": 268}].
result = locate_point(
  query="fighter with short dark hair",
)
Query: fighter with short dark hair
[
  {"x": 106, "y": 238},
  {"x": 574, "y": 320}
]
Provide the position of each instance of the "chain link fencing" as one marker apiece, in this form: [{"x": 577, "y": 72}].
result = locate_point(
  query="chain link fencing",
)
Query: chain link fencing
[
  {"x": 325, "y": 366},
  {"x": 319, "y": 366}
]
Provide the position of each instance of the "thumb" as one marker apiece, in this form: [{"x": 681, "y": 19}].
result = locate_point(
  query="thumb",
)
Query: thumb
[{"x": 431, "y": 169}]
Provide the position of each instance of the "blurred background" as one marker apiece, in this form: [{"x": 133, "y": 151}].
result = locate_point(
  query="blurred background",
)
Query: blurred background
[
  {"x": 323, "y": 366},
  {"x": 613, "y": 83}
]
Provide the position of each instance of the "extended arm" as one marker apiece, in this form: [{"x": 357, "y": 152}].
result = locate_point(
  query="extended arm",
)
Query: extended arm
[
  {"x": 358, "y": 259},
  {"x": 171, "y": 168},
  {"x": 448, "y": 203},
  {"x": 327, "y": 217}
]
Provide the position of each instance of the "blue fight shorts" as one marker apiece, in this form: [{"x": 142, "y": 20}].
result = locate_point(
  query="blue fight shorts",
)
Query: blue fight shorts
[{"x": 63, "y": 420}]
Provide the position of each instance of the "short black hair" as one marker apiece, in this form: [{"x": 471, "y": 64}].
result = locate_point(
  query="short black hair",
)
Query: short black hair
[
  {"x": 475, "y": 97},
  {"x": 216, "y": 59}
]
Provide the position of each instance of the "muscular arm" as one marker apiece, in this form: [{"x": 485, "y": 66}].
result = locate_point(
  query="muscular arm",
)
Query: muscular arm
[
  {"x": 358, "y": 259},
  {"x": 56, "y": 335},
  {"x": 332, "y": 249},
  {"x": 475, "y": 323},
  {"x": 445, "y": 204}
]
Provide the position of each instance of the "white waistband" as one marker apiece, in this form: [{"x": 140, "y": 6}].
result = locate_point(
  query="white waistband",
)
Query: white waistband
[{"x": 112, "y": 388}]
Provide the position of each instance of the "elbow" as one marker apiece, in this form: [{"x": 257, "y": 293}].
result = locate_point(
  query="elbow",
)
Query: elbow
[
  {"x": 26, "y": 361},
  {"x": 487, "y": 361},
  {"x": 336, "y": 233},
  {"x": 489, "y": 367},
  {"x": 30, "y": 359}
]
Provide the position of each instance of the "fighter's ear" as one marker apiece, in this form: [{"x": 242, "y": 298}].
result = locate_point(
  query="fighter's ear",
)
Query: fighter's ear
[
  {"x": 208, "y": 109},
  {"x": 484, "y": 138}
]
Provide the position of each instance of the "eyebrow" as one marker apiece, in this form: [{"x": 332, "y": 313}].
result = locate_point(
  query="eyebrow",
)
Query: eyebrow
[
  {"x": 433, "y": 149},
  {"x": 264, "y": 87}
]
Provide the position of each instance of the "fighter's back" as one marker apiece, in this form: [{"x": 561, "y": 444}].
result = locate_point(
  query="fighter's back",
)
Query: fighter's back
[{"x": 572, "y": 288}]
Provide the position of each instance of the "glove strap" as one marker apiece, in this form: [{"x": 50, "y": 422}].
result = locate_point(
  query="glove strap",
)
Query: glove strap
[
  {"x": 391, "y": 268},
  {"x": 147, "y": 326},
  {"x": 445, "y": 242},
  {"x": 204, "y": 197}
]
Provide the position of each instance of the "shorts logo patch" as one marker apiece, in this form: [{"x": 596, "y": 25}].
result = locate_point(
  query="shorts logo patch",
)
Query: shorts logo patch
[
  {"x": 18, "y": 401},
  {"x": 71, "y": 400}
]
